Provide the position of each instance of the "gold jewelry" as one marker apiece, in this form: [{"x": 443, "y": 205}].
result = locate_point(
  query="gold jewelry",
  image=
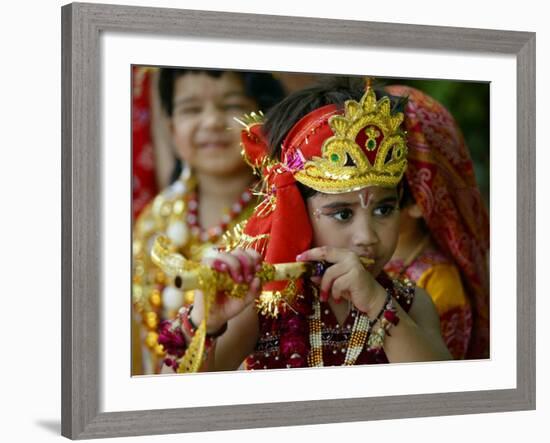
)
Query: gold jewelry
[
  {"x": 357, "y": 340},
  {"x": 154, "y": 295},
  {"x": 366, "y": 129},
  {"x": 386, "y": 319},
  {"x": 315, "y": 356},
  {"x": 269, "y": 303},
  {"x": 236, "y": 238}
]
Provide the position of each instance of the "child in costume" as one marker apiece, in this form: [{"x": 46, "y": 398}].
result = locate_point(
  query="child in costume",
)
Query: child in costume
[
  {"x": 444, "y": 236},
  {"x": 210, "y": 196},
  {"x": 330, "y": 196}
]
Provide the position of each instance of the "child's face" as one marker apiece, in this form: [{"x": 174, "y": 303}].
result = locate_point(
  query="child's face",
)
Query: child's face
[
  {"x": 204, "y": 108},
  {"x": 365, "y": 222}
]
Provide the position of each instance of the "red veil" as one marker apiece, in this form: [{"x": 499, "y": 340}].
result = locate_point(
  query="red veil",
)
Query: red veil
[{"x": 440, "y": 174}]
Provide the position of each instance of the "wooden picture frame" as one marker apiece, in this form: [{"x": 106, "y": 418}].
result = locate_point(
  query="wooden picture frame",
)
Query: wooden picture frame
[{"x": 81, "y": 208}]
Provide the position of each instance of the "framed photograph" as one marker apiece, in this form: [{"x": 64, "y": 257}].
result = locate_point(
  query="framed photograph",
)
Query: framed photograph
[{"x": 101, "y": 394}]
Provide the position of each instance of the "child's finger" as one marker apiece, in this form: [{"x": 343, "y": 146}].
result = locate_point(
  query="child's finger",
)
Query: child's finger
[
  {"x": 233, "y": 266},
  {"x": 340, "y": 289},
  {"x": 219, "y": 265},
  {"x": 324, "y": 253},
  {"x": 330, "y": 275},
  {"x": 247, "y": 264}
]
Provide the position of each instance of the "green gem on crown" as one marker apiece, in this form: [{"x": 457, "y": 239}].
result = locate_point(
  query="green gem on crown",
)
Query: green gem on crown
[
  {"x": 371, "y": 144},
  {"x": 334, "y": 157}
]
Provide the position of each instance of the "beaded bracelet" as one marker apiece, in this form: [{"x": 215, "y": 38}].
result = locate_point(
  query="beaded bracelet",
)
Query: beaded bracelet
[{"x": 387, "y": 318}]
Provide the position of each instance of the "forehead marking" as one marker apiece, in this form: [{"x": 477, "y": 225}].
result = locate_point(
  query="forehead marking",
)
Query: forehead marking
[{"x": 365, "y": 197}]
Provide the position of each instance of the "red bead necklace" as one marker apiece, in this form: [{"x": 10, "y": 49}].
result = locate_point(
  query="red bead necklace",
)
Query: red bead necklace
[{"x": 213, "y": 233}]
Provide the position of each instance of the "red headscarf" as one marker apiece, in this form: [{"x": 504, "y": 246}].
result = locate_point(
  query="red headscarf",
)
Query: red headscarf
[
  {"x": 441, "y": 177},
  {"x": 283, "y": 215}
]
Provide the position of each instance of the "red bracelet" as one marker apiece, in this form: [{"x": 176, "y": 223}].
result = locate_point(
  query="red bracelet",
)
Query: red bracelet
[{"x": 388, "y": 318}]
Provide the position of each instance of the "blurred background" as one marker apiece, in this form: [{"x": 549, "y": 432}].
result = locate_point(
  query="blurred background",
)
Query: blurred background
[
  {"x": 468, "y": 102},
  {"x": 154, "y": 164}
]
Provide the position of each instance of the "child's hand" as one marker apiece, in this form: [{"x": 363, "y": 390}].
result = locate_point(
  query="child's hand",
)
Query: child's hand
[
  {"x": 347, "y": 279},
  {"x": 241, "y": 265}
]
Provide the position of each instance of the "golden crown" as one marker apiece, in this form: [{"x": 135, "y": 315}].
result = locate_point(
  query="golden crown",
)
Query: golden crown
[{"x": 368, "y": 149}]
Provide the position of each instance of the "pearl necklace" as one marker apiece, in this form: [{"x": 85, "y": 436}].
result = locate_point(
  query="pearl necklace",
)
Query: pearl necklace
[
  {"x": 361, "y": 332},
  {"x": 357, "y": 340}
]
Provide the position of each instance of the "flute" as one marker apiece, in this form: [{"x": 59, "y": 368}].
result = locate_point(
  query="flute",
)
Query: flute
[{"x": 188, "y": 275}]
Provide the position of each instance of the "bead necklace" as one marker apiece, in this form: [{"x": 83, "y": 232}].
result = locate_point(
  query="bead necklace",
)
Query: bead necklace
[
  {"x": 361, "y": 332},
  {"x": 357, "y": 340},
  {"x": 174, "y": 212},
  {"x": 212, "y": 234}
]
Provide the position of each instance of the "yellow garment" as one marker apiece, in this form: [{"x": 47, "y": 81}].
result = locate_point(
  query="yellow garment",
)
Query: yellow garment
[{"x": 442, "y": 282}]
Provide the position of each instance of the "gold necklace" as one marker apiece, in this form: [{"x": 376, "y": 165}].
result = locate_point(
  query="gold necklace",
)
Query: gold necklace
[{"x": 356, "y": 343}]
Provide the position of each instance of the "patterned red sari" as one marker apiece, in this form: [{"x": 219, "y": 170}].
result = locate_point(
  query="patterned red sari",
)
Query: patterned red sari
[{"x": 441, "y": 177}]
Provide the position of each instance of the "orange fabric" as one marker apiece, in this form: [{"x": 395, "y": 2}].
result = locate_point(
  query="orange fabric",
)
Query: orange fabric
[
  {"x": 442, "y": 282},
  {"x": 441, "y": 279}
]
